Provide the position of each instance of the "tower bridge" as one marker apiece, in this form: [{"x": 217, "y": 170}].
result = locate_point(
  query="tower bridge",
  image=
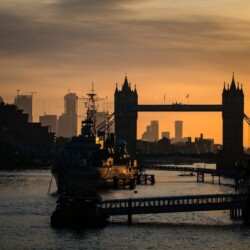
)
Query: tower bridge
[{"x": 232, "y": 109}]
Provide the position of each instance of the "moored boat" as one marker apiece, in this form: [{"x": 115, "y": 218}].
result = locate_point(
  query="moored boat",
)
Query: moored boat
[{"x": 91, "y": 158}]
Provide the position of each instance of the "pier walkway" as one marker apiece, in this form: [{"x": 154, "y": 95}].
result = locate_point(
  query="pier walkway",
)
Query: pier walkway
[
  {"x": 233, "y": 202},
  {"x": 237, "y": 175}
]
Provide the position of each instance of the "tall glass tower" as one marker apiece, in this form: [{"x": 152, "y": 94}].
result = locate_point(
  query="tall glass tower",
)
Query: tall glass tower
[
  {"x": 67, "y": 122},
  {"x": 178, "y": 130}
]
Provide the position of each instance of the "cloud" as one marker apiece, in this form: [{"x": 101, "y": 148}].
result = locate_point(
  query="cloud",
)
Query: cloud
[
  {"x": 105, "y": 33},
  {"x": 99, "y": 10}
]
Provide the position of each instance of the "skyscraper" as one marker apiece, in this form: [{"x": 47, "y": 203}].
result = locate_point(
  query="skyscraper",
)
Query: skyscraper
[
  {"x": 24, "y": 102},
  {"x": 67, "y": 122},
  {"x": 178, "y": 130},
  {"x": 146, "y": 134},
  {"x": 49, "y": 120},
  {"x": 152, "y": 132}
]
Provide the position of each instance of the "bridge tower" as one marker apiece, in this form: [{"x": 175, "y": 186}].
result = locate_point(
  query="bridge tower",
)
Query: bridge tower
[
  {"x": 125, "y": 117},
  {"x": 232, "y": 115}
]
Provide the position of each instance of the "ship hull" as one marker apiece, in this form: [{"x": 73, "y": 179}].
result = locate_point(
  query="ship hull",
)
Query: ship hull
[{"x": 94, "y": 177}]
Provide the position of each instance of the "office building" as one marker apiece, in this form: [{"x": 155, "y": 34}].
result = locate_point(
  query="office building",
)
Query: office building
[
  {"x": 49, "y": 121},
  {"x": 67, "y": 122},
  {"x": 24, "y": 102},
  {"x": 178, "y": 130},
  {"x": 21, "y": 137},
  {"x": 146, "y": 134},
  {"x": 152, "y": 132}
]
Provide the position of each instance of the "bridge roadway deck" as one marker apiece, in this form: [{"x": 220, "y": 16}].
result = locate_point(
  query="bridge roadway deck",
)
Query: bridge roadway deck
[{"x": 170, "y": 204}]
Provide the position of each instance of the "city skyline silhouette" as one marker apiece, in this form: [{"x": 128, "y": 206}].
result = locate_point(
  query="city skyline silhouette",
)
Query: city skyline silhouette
[{"x": 168, "y": 49}]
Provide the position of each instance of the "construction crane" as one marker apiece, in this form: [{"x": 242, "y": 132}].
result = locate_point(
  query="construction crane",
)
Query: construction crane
[{"x": 31, "y": 93}]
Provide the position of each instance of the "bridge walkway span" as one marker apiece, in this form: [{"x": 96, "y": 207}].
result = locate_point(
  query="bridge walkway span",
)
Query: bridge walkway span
[
  {"x": 178, "y": 108},
  {"x": 188, "y": 203}
]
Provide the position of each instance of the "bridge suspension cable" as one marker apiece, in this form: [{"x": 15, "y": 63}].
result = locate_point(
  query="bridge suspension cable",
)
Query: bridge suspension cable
[
  {"x": 247, "y": 119},
  {"x": 106, "y": 123}
]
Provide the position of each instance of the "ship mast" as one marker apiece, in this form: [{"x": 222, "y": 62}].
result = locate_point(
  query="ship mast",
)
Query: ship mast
[
  {"x": 89, "y": 125},
  {"x": 91, "y": 109}
]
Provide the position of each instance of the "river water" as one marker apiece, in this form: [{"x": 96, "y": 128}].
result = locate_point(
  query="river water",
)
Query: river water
[{"x": 26, "y": 206}]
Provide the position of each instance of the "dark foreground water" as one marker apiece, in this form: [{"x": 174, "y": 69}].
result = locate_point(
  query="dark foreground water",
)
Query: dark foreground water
[{"x": 25, "y": 209}]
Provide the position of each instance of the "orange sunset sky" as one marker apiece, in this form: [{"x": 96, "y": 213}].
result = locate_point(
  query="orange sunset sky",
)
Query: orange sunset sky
[{"x": 166, "y": 47}]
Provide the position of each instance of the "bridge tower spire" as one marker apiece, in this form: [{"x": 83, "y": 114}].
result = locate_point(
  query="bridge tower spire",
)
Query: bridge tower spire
[
  {"x": 232, "y": 115},
  {"x": 125, "y": 117}
]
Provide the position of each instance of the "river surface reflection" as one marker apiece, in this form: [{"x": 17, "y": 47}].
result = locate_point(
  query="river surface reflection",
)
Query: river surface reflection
[{"x": 25, "y": 209}]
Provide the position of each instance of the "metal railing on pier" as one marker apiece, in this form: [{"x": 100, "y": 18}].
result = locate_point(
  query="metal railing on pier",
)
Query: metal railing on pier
[{"x": 170, "y": 204}]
